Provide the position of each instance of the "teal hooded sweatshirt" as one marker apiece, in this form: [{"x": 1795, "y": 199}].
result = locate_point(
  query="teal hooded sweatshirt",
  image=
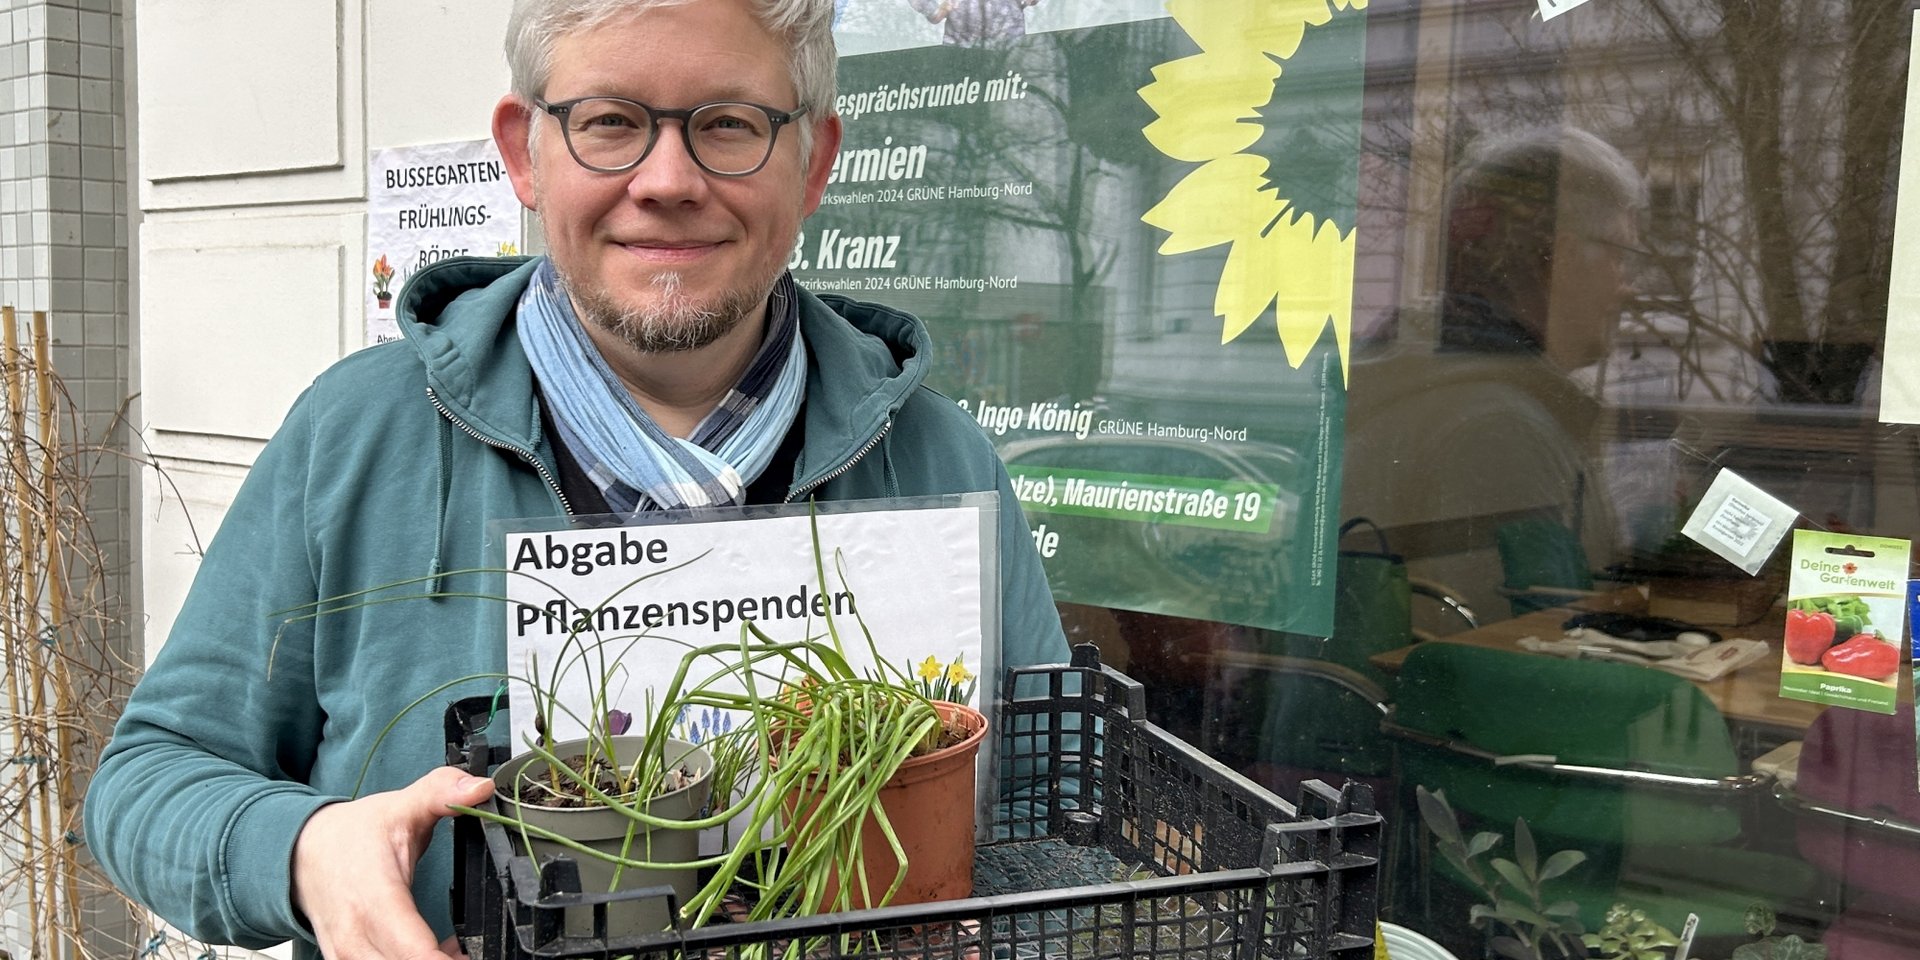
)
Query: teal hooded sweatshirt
[{"x": 390, "y": 467}]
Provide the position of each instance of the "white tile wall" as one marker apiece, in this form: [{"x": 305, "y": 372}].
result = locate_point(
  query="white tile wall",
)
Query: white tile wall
[{"x": 63, "y": 216}]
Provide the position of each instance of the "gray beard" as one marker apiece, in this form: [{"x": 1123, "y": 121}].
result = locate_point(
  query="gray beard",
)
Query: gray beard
[{"x": 673, "y": 323}]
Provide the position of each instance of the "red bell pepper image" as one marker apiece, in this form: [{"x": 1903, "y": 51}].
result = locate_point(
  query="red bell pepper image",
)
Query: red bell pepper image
[
  {"x": 1809, "y": 636},
  {"x": 1865, "y": 655}
]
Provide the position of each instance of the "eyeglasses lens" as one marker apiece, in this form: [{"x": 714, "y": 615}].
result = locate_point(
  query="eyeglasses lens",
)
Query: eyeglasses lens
[
  {"x": 731, "y": 137},
  {"x": 727, "y": 138}
]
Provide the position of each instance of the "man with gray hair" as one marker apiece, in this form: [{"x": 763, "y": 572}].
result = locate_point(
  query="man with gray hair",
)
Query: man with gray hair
[
  {"x": 1487, "y": 421},
  {"x": 659, "y": 357},
  {"x": 1541, "y": 225}
]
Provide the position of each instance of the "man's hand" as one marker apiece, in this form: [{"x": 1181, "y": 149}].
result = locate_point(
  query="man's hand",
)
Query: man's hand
[{"x": 353, "y": 867}]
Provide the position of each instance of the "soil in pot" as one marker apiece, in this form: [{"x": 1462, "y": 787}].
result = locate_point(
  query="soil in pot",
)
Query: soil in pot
[
  {"x": 605, "y": 829},
  {"x": 930, "y": 802}
]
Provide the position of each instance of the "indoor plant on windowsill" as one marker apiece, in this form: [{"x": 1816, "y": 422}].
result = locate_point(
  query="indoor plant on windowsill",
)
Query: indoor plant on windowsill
[{"x": 1522, "y": 923}]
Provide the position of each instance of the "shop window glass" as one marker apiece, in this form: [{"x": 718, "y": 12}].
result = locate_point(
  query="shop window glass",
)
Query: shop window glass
[{"x": 1610, "y": 255}]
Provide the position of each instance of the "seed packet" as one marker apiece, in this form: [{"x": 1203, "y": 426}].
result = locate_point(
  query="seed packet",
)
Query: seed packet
[
  {"x": 1913, "y": 622},
  {"x": 1845, "y": 619}
]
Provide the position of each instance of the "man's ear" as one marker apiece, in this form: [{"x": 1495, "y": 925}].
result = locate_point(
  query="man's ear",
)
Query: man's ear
[
  {"x": 511, "y": 120},
  {"x": 826, "y": 146}
]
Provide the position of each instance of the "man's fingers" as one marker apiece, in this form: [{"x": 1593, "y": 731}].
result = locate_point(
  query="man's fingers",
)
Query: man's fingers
[
  {"x": 353, "y": 866},
  {"x": 402, "y": 935},
  {"x": 378, "y": 922},
  {"x": 451, "y": 947},
  {"x": 427, "y": 798}
]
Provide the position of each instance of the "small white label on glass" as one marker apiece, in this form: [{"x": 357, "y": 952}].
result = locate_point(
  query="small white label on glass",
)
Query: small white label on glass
[
  {"x": 1739, "y": 521},
  {"x": 1553, "y": 8},
  {"x": 1738, "y": 525}
]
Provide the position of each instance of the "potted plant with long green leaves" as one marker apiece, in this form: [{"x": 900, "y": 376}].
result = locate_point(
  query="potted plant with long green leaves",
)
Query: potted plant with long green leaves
[
  {"x": 845, "y": 787},
  {"x": 864, "y": 793},
  {"x": 625, "y": 806}
]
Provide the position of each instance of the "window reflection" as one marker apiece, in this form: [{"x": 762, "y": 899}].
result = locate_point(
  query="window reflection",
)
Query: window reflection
[
  {"x": 1479, "y": 418},
  {"x": 1602, "y": 258}
]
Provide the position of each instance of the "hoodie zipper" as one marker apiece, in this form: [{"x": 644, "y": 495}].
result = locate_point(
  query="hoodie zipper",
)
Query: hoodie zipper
[
  {"x": 522, "y": 452},
  {"x": 799, "y": 492}
]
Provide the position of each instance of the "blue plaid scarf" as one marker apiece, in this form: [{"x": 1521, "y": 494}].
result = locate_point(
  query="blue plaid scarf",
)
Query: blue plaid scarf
[{"x": 637, "y": 465}]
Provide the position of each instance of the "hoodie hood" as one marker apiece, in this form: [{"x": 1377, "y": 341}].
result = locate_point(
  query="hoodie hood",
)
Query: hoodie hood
[
  {"x": 863, "y": 361},
  {"x": 458, "y": 316}
]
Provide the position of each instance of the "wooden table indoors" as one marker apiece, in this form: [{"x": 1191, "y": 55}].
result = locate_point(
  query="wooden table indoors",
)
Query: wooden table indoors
[{"x": 1749, "y": 695}]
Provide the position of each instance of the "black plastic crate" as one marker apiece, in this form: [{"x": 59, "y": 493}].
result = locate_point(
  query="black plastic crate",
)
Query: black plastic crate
[{"x": 1134, "y": 845}]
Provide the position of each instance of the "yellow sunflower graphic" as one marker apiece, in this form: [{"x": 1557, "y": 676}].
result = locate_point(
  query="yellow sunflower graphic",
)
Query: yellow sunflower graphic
[{"x": 1270, "y": 109}]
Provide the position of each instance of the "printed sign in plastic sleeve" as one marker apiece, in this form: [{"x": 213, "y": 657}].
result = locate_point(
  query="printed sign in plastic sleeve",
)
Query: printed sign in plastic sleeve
[
  {"x": 1071, "y": 195},
  {"x": 429, "y": 203}
]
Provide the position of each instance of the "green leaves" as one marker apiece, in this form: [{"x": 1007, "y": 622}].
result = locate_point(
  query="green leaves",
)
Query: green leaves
[
  {"x": 1794, "y": 948},
  {"x": 1780, "y": 948},
  {"x": 1516, "y": 889},
  {"x": 1524, "y": 852},
  {"x": 1514, "y": 875},
  {"x": 1629, "y": 934},
  {"x": 1438, "y": 817},
  {"x": 1514, "y": 914},
  {"x": 1560, "y": 863}
]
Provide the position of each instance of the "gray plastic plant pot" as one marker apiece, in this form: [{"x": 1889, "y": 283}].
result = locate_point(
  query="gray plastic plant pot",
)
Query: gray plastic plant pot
[{"x": 606, "y": 829}]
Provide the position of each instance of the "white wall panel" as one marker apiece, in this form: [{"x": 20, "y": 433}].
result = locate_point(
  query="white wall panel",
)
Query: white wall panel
[
  {"x": 250, "y": 103},
  {"x": 263, "y": 96},
  {"x": 445, "y": 54},
  {"x": 184, "y": 507},
  {"x": 234, "y": 331},
  {"x": 255, "y": 123}
]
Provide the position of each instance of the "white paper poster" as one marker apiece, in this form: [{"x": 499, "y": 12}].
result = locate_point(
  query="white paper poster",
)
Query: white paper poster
[
  {"x": 645, "y": 594},
  {"x": 1900, "y": 374},
  {"x": 430, "y": 203}
]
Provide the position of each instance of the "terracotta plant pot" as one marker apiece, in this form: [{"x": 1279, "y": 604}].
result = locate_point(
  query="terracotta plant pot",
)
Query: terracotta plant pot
[
  {"x": 605, "y": 829},
  {"x": 930, "y": 801}
]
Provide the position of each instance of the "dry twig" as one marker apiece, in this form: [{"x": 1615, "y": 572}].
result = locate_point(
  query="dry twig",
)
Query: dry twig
[{"x": 63, "y": 630}]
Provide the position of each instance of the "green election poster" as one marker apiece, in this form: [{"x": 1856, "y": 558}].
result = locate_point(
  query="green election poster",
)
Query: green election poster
[{"x": 1130, "y": 235}]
